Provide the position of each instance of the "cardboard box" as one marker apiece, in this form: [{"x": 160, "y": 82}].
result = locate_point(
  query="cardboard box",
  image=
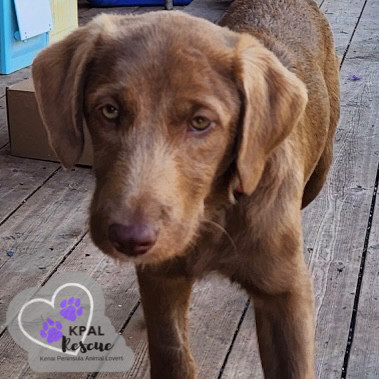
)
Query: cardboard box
[{"x": 27, "y": 135}]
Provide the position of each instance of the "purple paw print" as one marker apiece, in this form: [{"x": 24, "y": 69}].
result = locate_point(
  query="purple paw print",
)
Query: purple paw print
[
  {"x": 71, "y": 308},
  {"x": 51, "y": 331}
]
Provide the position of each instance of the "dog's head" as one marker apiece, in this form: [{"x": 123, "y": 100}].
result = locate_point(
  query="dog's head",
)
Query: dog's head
[{"x": 173, "y": 104}]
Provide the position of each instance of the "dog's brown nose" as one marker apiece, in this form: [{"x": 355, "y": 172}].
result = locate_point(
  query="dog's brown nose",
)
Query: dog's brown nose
[{"x": 133, "y": 239}]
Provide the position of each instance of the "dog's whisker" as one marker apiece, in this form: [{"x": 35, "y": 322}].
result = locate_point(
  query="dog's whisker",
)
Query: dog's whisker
[{"x": 223, "y": 230}]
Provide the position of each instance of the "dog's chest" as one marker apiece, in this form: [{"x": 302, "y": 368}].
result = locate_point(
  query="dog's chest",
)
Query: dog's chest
[{"x": 227, "y": 245}]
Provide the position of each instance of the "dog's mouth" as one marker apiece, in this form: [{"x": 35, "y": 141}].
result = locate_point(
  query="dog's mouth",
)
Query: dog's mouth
[
  {"x": 142, "y": 243},
  {"x": 146, "y": 255},
  {"x": 150, "y": 258}
]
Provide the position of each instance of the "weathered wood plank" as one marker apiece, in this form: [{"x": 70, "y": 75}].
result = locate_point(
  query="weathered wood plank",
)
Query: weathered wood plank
[
  {"x": 319, "y": 2},
  {"x": 18, "y": 179},
  {"x": 215, "y": 312},
  {"x": 212, "y": 10},
  {"x": 142, "y": 10},
  {"x": 210, "y": 334},
  {"x": 120, "y": 292},
  {"x": 364, "y": 47},
  {"x": 364, "y": 357},
  {"x": 343, "y": 16},
  {"x": 45, "y": 228},
  {"x": 15, "y": 77},
  {"x": 336, "y": 222},
  {"x": 244, "y": 360}
]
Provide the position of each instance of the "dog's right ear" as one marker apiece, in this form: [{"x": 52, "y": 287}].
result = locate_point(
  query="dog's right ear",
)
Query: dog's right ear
[
  {"x": 59, "y": 74},
  {"x": 274, "y": 100}
]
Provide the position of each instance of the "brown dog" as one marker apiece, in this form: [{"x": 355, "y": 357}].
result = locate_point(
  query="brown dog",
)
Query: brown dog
[{"x": 207, "y": 143}]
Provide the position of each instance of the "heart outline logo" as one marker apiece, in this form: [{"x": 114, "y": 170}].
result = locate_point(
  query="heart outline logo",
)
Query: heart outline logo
[{"x": 51, "y": 304}]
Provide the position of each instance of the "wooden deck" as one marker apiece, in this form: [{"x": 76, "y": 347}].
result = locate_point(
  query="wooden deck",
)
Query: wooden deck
[{"x": 43, "y": 212}]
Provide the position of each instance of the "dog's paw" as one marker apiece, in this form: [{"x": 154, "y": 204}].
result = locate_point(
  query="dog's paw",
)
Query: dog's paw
[
  {"x": 71, "y": 309},
  {"x": 51, "y": 331}
]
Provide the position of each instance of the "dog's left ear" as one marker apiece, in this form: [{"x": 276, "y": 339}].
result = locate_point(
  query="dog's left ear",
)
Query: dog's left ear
[{"x": 274, "y": 100}]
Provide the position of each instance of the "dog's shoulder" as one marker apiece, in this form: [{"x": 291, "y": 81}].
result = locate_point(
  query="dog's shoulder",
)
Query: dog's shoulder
[{"x": 289, "y": 27}]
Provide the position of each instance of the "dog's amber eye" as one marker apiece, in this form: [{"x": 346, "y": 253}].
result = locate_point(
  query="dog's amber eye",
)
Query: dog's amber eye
[
  {"x": 109, "y": 112},
  {"x": 200, "y": 123}
]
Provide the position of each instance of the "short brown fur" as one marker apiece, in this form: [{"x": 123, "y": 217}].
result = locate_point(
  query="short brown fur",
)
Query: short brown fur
[{"x": 227, "y": 199}]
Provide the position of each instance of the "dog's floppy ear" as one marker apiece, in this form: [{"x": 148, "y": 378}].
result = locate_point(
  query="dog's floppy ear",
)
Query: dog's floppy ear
[
  {"x": 273, "y": 99},
  {"x": 58, "y": 74}
]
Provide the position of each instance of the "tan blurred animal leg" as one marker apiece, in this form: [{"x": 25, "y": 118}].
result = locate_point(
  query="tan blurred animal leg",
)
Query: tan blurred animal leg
[
  {"x": 285, "y": 329},
  {"x": 165, "y": 303}
]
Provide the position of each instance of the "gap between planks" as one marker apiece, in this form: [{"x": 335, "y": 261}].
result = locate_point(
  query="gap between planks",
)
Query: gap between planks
[
  {"x": 353, "y": 322},
  {"x": 363, "y": 361}
]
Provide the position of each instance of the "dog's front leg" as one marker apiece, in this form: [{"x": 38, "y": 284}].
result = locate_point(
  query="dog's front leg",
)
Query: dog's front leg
[
  {"x": 285, "y": 328},
  {"x": 165, "y": 303}
]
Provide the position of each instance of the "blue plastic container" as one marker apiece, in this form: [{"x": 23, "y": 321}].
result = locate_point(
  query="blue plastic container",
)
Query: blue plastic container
[
  {"x": 14, "y": 53},
  {"x": 134, "y": 3}
]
